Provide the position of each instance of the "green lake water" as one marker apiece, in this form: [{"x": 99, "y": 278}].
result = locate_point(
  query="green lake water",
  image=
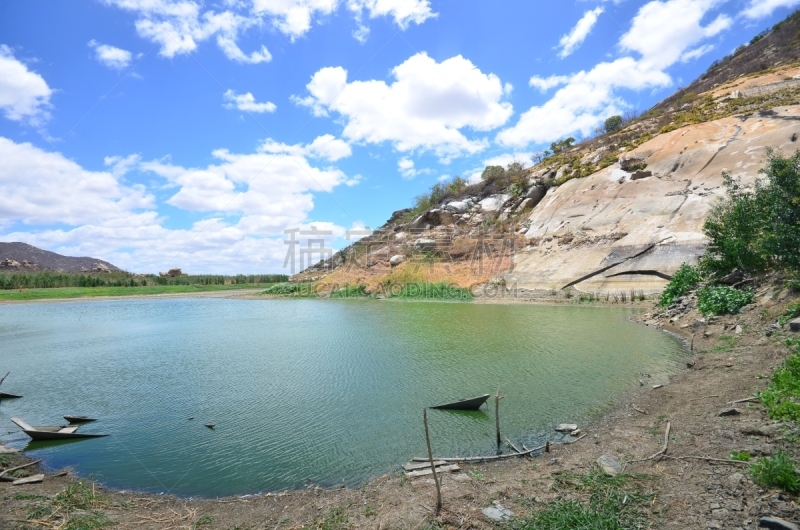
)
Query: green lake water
[{"x": 305, "y": 391}]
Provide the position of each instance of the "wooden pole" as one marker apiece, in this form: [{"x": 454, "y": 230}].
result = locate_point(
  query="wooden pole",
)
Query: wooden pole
[
  {"x": 430, "y": 458},
  {"x": 497, "y": 417}
]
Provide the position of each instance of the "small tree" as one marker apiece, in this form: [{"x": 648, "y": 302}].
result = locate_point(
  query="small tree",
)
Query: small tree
[
  {"x": 562, "y": 145},
  {"x": 612, "y": 124},
  {"x": 756, "y": 229},
  {"x": 493, "y": 173}
]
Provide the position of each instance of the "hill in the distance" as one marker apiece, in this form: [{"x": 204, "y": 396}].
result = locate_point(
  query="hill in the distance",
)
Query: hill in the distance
[{"x": 18, "y": 257}]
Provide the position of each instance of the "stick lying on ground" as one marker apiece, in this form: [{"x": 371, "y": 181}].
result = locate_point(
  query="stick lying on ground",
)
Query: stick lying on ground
[
  {"x": 745, "y": 400},
  {"x": 663, "y": 450},
  {"x": 16, "y": 468},
  {"x": 481, "y": 458}
]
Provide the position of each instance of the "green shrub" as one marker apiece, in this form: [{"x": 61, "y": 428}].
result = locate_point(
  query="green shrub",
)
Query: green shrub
[
  {"x": 287, "y": 288},
  {"x": 722, "y": 300},
  {"x": 792, "y": 312},
  {"x": 759, "y": 229},
  {"x": 680, "y": 284},
  {"x": 612, "y": 124},
  {"x": 782, "y": 397},
  {"x": 740, "y": 456},
  {"x": 776, "y": 471},
  {"x": 350, "y": 291},
  {"x": 426, "y": 290}
]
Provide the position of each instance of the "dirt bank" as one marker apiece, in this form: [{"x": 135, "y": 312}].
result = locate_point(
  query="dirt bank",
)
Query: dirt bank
[{"x": 729, "y": 364}]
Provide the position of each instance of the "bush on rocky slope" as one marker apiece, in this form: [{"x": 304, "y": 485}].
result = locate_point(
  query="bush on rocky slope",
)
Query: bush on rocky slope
[{"x": 757, "y": 229}]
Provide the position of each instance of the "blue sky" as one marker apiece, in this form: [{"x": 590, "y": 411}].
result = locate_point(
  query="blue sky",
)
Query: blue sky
[{"x": 164, "y": 133}]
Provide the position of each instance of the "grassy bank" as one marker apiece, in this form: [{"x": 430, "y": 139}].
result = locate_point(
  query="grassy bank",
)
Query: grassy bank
[
  {"x": 407, "y": 291},
  {"x": 83, "y": 292}
]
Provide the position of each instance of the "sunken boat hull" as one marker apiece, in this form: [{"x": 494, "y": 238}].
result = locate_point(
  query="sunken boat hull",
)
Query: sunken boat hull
[{"x": 465, "y": 404}]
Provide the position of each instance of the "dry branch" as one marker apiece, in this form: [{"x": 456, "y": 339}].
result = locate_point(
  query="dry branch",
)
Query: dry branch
[
  {"x": 744, "y": 400},
  {"x": 19, "y": 467},
  {"x": 482, "y": 458}
]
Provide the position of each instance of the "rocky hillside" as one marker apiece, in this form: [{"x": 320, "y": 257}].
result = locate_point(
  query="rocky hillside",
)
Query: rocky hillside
[
  {"x": 616, "y": 213},
  {"x": 21, "y": 257}
]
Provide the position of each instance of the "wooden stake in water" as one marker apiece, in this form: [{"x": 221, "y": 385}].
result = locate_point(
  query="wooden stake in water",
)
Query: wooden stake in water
[
  {"x": 497, "y": 398},
  {"x": 433, "y": 467}
]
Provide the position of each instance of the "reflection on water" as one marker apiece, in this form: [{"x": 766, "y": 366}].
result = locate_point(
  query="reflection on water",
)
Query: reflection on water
[{"x": 304, "y": 390}]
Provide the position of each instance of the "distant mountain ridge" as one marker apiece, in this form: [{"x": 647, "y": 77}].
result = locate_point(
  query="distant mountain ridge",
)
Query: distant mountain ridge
[{"x": 17, "y": 257}]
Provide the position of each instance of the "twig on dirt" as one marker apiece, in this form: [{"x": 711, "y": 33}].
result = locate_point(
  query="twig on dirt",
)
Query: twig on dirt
[
  {"x": 637, "y": 409},
  {"x": 663, "y": 450},
  {"x": 704, "y": 397},
  {"x": 707, "y": 458},
  {"x": 745, "y": 400},
  {"x": 19, "y": 467}
]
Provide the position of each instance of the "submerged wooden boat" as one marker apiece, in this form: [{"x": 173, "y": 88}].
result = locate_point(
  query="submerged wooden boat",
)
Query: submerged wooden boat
[
  {"x": 6, "y": 395},
  {"x": 56, "y": 432},
  {"x": 78, "y": 419},
  {"x": 465, "y": 404}
]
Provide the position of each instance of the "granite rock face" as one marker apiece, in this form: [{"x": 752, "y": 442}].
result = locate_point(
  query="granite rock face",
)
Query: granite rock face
[{"x": 607, "y": 232}]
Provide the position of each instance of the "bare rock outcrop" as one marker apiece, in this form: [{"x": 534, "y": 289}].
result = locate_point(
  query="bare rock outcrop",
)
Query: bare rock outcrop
[{"x": 574, "y": 232}]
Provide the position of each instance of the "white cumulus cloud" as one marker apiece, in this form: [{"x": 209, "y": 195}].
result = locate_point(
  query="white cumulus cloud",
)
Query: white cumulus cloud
[
  {"x": 246, "y": 102},
  {"x": 23, "y": 94},
  {"x": 179, "y": 25},
  {"x": 425, "y": 108},
  {"x": 570, "y": 42},
  {"x": 763, "y": 8},
  {"x": 293, "y": 17},
  {"x": 546, "y": 83},
  {"x": 663, "y": 31},
  {"x": 111, "y": 56},
  {"x": 661, "y": 34},
  {"x": 404, "y": 12},
  {"x": 40, "y": 187}
]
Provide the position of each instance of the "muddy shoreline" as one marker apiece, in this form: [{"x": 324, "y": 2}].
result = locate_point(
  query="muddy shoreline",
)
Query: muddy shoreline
[{"x": 690, "y": 492}]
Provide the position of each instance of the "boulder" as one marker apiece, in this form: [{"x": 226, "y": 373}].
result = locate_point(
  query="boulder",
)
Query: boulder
[
  {"x": 729, "y": 412},
  {"x": 396, "y": 260},
  {"x": 641, "y": 174},
  {"x": 494, "y": 203},
  {"x": 523, "y": 205},
  {"x": 794, "y": 325},
  {"x": 632, "y": 163},
  {"x": 397, "y": 215},
  {"x": 609, "y": 464},
  {"x": 776, "y": 523},
  {"x": 9, "y": 264},
  {"x": 566, "y": 427},
  {"x": 431, "y": 218},
  {"x": 174, "y": 272},
  {"x": 424, "y": 245},
  {"x": 536, "y": 194},
  {"x": 733, "y": 278},
  {"x": 458, "y": 206}
]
